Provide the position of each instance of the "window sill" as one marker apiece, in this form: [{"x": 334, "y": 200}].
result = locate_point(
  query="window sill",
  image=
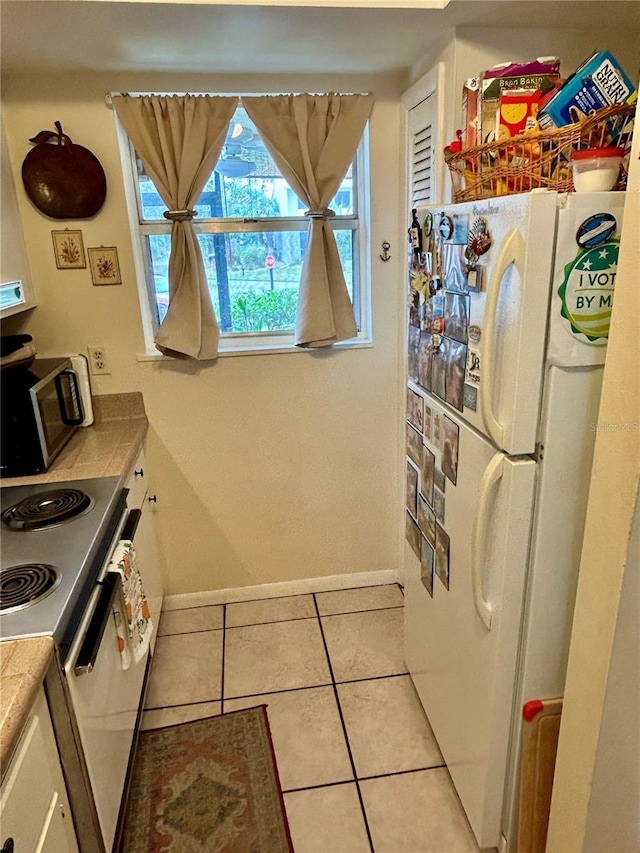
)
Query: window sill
[{"x": 262, "y": 350}]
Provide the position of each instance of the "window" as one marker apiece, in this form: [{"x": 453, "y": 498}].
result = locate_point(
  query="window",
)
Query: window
[{"x": 253, "y": 234}]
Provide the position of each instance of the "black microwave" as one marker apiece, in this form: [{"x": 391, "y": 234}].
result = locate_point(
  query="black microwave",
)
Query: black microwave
[{"x": 40, "y": 410}]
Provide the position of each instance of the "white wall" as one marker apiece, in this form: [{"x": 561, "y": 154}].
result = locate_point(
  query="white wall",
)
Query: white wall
[
  {"x": 588, "y": 756},
  {"x": 613, "y": 820},
  {"x": 267, "y": 468}
]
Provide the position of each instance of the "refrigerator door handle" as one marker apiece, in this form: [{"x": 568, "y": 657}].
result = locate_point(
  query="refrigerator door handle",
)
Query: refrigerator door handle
[
  {"x": 511, "y": 252},
  {"x": 491, "y": 476}
]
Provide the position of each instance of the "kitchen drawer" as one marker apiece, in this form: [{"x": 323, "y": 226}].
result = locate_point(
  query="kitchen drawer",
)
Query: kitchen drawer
[{"x": 137, "y": 483}]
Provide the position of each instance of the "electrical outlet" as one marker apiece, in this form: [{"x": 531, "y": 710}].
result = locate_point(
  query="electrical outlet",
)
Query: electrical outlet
[{"x": 98, "y": 360}]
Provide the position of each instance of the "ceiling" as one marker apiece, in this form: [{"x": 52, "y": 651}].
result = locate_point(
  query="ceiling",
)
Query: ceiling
[{"x": 86, "y": 35}]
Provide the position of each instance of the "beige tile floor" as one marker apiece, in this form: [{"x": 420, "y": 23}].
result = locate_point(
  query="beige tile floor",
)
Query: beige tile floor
[{"x": 358, "y": 763}]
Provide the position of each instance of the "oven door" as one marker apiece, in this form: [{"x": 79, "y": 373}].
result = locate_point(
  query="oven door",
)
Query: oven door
[{"x": 105, "y": 700}]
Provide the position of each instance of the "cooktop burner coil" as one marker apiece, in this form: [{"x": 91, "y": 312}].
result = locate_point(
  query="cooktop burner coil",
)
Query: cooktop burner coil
[
  {"x": 47, "y": 509},
  {"x": 21, "y": 586}
]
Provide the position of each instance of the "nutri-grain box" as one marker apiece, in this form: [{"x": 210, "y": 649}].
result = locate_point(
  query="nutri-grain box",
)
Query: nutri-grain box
[{"x": 598, "y": 82}]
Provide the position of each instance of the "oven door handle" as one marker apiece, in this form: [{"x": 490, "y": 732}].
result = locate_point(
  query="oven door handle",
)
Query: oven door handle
[
  {"x": 91, "y": 645},
  {"x": 130, "y": 527}
]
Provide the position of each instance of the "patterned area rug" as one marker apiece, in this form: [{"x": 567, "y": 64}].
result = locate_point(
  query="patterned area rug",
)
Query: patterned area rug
[{"x": 211, "y": 785}]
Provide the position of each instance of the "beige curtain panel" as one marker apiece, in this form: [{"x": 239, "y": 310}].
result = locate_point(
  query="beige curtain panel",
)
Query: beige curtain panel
[
  {"x": 313, "y": 140},
  {"x": 179, "y": 139}
]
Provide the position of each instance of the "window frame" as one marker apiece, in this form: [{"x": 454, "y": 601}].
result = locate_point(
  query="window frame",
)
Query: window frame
[{"x": 242, "y": 343}]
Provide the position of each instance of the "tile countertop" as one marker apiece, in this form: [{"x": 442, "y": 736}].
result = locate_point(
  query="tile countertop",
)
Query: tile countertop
[
  {"x": 107, "y": 448},
  {"x": 23, "y": 664}
]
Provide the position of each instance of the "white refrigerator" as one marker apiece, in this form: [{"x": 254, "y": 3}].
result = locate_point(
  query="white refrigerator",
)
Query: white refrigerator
[{"x": 508, "y": 320}]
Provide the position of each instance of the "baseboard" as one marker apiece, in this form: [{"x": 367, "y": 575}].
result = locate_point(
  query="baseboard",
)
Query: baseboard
[{"x": 279, "y": 590}]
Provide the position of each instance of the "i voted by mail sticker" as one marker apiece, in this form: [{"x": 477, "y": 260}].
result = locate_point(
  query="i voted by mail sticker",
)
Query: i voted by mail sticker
[
  {"x": 595, "y": 230},
  {"x": 586, "y": 292}
]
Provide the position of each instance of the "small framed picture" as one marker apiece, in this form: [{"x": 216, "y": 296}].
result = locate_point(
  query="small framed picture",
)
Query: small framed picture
[
  {"x": 68, "y": 249},
  {"x": 104, "y": 265}
]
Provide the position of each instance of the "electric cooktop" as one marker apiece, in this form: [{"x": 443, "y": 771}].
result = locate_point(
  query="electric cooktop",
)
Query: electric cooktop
[{"x": 53, "y": 542}]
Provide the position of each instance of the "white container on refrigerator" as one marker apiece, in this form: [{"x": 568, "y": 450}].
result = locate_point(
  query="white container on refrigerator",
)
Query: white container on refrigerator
[{"x": 499, "y": 635}]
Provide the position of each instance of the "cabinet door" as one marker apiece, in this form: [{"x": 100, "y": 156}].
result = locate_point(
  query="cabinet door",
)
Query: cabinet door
[
  {"x": 34, "y": 811},
  {"x": 148, "y": 557},
  {"x": 148, "y": 560},
  {"x": 15, "y": 282}
]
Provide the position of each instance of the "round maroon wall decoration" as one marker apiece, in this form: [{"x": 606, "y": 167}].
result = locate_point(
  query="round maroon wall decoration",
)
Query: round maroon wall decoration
[{"x": 62, "y": 179}]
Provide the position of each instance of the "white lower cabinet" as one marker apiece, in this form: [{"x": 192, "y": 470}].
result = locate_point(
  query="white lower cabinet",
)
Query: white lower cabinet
[
  {"x": 145, "y": 542},
  {"x": 34, "y": 810}
]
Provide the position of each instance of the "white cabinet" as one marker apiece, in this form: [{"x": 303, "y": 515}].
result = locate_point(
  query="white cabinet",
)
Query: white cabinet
[
  {"x": 15, "y": 283},
  {"x": 145, "y": 543},
  {"x": 34, "y": 810}
]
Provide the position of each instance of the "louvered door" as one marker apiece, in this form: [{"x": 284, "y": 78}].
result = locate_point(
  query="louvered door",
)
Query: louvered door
[{"x": 422, "y": 132}]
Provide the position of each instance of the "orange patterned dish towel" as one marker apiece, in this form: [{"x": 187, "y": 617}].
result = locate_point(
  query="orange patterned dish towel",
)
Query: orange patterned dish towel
[{"x": 131, "y": 609}]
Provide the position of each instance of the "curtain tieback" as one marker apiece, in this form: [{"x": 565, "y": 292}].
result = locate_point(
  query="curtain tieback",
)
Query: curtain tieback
[
  {"x": 180, "y": 215},
  {"x": 322, "y": 213}
]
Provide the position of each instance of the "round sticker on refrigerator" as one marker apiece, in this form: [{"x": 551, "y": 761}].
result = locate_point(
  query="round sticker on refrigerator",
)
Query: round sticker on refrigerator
[
  {"x": 586, "y": 292},
  {"x": 595, "y": 230}
]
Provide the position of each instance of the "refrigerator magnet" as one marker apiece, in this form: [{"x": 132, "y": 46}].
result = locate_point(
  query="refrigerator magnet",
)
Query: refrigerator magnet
[
  {"x": 445, "y": 226},
  {"x": 412, "y": 534},
  {"x": 413, "y": 342},
  {"x": 455, "y": 373},
  {"x": 596, "y": 229},
  {"x": 454, "y": 267},
  {"x": 423, "y": 508},
  {"x": 478, "y": 240},
  {"x": 460, "y": 228},
  {"x": 426, "y": 566},
  {"x": 475, "y": 333},
  {"x": 438, "y": 505},
  {"x": 429, "y": 520},
  {"x": 438, "y": 368},
  {"x": 474, "y": 278},
  {"x": 414, "y": 445},
  {"x": 427, "y": 422},
  {"x": 472, "y": 373},
  {"x": 442, "y": 555},
  {"x": 470, "y": 397},
  {"x": 437, "y": 430},
  {"x": 412, "y": 489},
  {"x": 424, "y": 370},
  {"x": 428, "y": 468},
  {"x": 450, "y": 440},
  {"x": 415, "y": 409},
  {"x": 456, "y": 316}
]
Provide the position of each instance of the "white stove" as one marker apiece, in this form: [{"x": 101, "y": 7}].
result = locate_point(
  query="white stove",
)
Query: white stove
[{"x": 54, "y": 541}]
